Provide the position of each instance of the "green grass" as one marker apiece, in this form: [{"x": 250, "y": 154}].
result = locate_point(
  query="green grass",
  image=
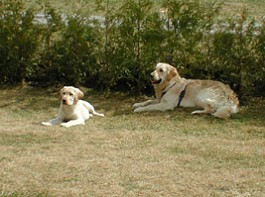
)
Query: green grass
[{"x": 126, "y": 154}]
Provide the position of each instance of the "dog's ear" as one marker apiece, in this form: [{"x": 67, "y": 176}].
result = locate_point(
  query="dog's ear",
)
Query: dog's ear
[
  {"x": 172, "y": 73},
  {"x": 79, "y": 93},
  {"x": 61, "y": 92}
]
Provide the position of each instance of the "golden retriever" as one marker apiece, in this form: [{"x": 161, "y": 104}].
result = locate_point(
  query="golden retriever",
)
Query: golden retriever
[
  {"x": 72, "y": 111},
  {"x": 211, "y": 97}
]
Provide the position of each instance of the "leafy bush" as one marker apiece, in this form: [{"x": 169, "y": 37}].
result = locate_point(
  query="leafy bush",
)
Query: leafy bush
[
  {"x": 73, "y": 58},
  {"x": 131, "y": 45},
  {"x": 234, "y": 54},
  {"x": 119, "y": 51},
  {"x": 18, "y": 41},
  {"x": 68, "y": 50}
]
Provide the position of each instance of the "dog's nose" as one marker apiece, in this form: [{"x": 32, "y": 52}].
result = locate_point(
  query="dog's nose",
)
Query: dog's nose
[{"x": 64, "y": 101}]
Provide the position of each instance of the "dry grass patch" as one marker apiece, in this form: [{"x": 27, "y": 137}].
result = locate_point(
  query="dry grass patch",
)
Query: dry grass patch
[{"x": 127, "y": 154}]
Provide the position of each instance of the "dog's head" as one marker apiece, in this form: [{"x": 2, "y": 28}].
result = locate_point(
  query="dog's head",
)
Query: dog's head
[
  {"x": 163, "y": 72},
  {"x": 70, "y": 95}
]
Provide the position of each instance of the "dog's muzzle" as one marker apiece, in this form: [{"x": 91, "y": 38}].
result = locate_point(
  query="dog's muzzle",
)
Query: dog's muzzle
[
  {"x": 156, "y": 81},
  {"x": 64, "y": 102}
]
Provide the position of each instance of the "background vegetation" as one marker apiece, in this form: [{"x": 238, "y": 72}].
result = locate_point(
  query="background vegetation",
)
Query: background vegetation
[
  {"x": 119, "y": 50},
  {"x": 125, "y": 153}
]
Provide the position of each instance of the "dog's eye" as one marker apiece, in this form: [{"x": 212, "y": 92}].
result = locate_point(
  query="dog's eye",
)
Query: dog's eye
[
  {"x": 161, "y": 70},
  {"x": 63, "y": 93},
  {"x": 71, "y": 94}
]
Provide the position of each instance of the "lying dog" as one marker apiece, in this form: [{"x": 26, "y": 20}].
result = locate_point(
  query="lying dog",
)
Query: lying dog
[
  {"x": 72, "y": 111},
  {"x": 213, "y": 97}
]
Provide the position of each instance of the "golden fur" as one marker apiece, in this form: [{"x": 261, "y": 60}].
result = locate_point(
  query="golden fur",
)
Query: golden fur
[
  {"x": 211, "y": 97},
  {"x": 72, "y": 111}
]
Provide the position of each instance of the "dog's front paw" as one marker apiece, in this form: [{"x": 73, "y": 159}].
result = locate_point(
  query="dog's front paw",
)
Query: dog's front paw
[
  {"x": 65, "y": 124},
  {"x": 139, "y": 109},
  {"x": 46, "y": 123},
  {"x": 136, "y": 105}
]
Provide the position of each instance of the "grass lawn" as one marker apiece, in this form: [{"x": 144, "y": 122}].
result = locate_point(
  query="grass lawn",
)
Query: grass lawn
[{"x": 127, "y": 154}]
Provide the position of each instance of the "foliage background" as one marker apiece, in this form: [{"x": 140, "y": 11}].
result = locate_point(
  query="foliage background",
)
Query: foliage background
[{"x": 119, "y": 52}]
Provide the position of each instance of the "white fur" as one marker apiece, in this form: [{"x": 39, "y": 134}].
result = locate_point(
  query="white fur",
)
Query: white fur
[{"x": 72, "y": 111}]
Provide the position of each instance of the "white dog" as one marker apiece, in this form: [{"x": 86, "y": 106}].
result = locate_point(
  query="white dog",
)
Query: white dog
[
  {"x": 72, "y": 111},
  {"x": 213, "y": 97}
]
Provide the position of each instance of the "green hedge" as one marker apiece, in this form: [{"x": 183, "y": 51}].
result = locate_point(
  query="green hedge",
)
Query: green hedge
[
  {"x": 120, "y": 52},
  {"x": 18, "y": 41}
]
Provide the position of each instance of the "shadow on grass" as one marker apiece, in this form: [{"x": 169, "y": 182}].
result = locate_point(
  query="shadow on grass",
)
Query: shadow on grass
[
  {"x": 118, "y": 104},
  {"x": 27, "y": 98}
]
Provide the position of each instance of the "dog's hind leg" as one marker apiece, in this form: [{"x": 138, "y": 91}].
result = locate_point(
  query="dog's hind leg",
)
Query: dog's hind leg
[
  {"x": 207, "y": 105},
  {"x": 91, "y": 109},
  {"x": 208, "y": 109},
  {"x": 205, "y": 111}
]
